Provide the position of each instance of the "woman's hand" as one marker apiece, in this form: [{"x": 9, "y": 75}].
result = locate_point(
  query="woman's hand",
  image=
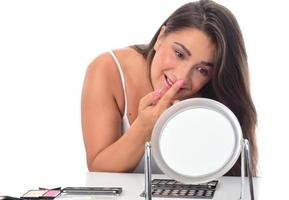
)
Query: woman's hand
[{"x": 153, "y": 104}]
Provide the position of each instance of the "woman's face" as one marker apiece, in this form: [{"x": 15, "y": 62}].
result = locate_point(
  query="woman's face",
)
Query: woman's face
[{"x": 184, "y": 55}]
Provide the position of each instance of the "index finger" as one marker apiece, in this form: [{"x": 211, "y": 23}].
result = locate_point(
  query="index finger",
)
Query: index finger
[{"x": 166, "y": 99}]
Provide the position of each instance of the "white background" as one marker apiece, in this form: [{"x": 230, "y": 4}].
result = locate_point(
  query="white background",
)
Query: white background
[{"x": 45, "y": 47}]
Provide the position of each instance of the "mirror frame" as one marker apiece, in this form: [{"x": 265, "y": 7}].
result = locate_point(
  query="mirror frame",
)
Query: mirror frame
[{"x": 177, "y": 109}]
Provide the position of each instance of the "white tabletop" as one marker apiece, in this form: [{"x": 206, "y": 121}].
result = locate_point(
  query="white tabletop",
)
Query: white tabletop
[{"x": 132, "y": 184}]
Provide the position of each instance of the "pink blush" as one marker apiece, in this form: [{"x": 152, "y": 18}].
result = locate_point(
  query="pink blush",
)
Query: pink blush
[{"x": 51, "y": 193}]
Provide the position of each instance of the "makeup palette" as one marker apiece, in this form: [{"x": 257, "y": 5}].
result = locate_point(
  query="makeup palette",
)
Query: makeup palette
[
  {"x": 170, "y": 188},
  {"x": 41, "y": 194},
  {"x": 51, "y": 194}
]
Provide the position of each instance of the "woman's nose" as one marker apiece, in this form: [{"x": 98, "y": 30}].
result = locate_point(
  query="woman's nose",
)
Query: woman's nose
[{"x": 182, "y": 73}]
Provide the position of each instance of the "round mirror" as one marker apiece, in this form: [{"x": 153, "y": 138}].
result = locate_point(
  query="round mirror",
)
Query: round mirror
[{"x": 196, "y": 140}]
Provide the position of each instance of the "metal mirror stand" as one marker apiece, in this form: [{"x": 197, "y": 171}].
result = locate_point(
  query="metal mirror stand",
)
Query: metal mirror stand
[
  {"x": 245, "y": 156},
  {"x": 148, "y": 173}
]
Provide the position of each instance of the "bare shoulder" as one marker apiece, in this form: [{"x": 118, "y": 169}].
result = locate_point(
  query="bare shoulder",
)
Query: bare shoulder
[
  {"x": 102, "y": 72},
  {"x": 102, "y": 83},
  {"x": 101, "y": 67},
  {"x": 103, "y": 78},
  {"x": 129, "y": 58},
  {"x": 104, "y": 66},
  {"x": 127, "y": 52}
]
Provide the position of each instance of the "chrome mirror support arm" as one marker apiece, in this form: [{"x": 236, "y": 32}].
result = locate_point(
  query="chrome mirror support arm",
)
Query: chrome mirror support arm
[
  {"x": 148, "y": 173},
  {"x": 246, "y": 157},
  {"x": 242, "y": 171}
]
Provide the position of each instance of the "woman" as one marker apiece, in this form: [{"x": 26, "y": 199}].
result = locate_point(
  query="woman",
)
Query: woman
[{"x": 197, "y": 52}]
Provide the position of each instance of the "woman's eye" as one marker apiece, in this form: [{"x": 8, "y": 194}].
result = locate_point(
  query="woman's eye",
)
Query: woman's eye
[
  {"x": 179, "y": 54},
  {"x": 203, "y": 71}
]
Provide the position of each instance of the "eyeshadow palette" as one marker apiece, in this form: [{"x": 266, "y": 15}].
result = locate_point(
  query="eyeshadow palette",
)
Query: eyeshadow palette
[
  {"x": 41, "y": 194},
  {"x": 173, "y": 189},
  {"x": 68, "y": 192}
]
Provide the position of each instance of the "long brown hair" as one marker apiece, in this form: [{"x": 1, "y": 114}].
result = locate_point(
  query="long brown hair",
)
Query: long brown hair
[{"x": 230, "y": 82}]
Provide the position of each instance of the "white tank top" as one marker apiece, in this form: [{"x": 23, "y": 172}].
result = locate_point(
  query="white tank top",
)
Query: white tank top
[{"x": 126, "y": 125}]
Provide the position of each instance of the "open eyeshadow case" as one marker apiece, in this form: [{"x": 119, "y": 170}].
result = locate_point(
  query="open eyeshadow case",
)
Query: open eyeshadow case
[
  {"x": 170, "y": 188},
  {"x": 41, "y": 194}
]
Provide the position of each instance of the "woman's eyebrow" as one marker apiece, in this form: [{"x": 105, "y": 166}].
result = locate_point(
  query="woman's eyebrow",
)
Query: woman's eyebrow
[
  {"x": 209, "y": 64},
  {"x": 183, "y": 47}
]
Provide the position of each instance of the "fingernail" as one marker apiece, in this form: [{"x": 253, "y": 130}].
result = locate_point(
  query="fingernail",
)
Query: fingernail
[
  {"x": 180, "y": 83},
  {"x": 157, "y": 93}
]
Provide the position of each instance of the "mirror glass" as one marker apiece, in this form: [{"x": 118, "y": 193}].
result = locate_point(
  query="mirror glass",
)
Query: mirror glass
[{"x": 196, "y": 140}]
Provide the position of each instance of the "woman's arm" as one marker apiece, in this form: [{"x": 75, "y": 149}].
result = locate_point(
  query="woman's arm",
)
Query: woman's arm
[{"x": 106, "y": 148}]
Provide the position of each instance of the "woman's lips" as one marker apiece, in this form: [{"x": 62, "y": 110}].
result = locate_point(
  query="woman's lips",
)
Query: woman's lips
[{"x": 168, "y": 81}]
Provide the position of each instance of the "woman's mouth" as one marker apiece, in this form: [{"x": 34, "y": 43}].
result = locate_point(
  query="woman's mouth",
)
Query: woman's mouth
[{"x": 168, "y": 81}]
